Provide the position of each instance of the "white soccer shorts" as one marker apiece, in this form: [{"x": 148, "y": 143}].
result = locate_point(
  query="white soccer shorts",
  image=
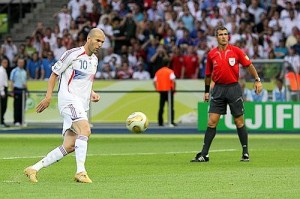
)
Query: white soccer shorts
[{"x": 72, "y": 113}]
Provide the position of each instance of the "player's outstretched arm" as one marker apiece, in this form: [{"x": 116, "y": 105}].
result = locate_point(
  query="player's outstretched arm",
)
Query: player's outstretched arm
[{"x": 46, "y": 101}]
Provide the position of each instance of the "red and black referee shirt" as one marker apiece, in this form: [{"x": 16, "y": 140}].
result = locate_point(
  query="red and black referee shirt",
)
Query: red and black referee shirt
[{"x": 223, "y": 66}]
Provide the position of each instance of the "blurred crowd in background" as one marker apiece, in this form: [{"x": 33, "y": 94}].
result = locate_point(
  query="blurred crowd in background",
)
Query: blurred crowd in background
[{"x": 142, "y": 35}]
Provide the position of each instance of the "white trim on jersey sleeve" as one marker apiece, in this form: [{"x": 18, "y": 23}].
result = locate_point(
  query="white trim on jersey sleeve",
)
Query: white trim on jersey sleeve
[{"x": 66, "y": 60}]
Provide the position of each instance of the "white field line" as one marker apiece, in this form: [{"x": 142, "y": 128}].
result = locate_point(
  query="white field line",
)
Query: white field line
[{"x": 121, "y": 154}]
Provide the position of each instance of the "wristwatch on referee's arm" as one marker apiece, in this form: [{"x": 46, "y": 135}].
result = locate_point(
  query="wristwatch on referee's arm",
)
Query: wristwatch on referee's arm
[{"x": 257, "y": 79}]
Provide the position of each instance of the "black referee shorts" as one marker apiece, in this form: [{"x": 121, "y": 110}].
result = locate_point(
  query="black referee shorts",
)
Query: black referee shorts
[{"x": 223, "y": 95}]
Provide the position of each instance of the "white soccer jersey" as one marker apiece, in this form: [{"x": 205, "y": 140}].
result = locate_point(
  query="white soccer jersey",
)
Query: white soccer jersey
[{"x": 76, "y": 72}]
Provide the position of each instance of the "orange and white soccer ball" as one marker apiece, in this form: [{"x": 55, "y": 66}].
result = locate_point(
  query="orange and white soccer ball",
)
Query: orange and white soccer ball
[{"x": 137, "y": 122}]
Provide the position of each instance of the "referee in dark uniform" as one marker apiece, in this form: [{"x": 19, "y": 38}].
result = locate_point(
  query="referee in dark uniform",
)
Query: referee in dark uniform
[{"x": 222, "y": 68}]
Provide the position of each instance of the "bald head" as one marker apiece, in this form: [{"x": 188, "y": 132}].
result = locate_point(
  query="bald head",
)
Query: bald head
[
  {"x": 95, "y": 31},
  {"x": 95, "y": 40}
]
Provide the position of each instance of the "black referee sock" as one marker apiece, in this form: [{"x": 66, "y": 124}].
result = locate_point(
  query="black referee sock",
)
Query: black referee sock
[
  {"x": 208, "y": 138},
  {"x": 243, "y": 136}
]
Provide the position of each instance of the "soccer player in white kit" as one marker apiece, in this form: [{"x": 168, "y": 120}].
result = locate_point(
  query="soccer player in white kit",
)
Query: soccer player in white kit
[{"x": 75, "y": 70}]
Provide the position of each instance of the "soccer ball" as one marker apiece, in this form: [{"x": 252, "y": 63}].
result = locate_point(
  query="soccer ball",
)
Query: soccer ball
[{"x": 137, "y": 122}]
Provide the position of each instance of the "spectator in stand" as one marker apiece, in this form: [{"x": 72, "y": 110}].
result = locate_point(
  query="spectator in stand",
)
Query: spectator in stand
[
  {"x": 80, "y": 40},
  {"x": 45, "y": 50},
  {"x": 297, "y": 45},
  {"x": 37, "y": 42},
  {"x": 158, "y": 59},
  {"x": 140, "y": 52},
  {"x": 141, "y": 73},
  {"x": 171, "y": 18},
  {"x": 262, "y": 26},
  {"x": 129, "y": 27},
  {"x": 106, "y": 72},
  {"x": 94, "y": 16},
  {"x": 249, "y": 18},
  {"x": 113, "y": 63},
  {"x": 281, "y": 50},
  {"x": 105, "y": 25},
  {"x": 199, "y": 37},
  {"x": 153, "y": 13},
  {"x": 82, "y": 19},
  {"x": 279, "y": 92},
  {"x": 138, "y": 15},
  {"x": 60, "y": 49},
  {"x": 21, "y": 54},
  {"x": 74, "y": 30},
  {"x": 115, "y": 4},
  {"x": 9, "y": 49},
  {"x": 224, "y": 6},
  {"x": 74, "y": 7},
  {"x": 88, "y": 5},
  {"x": 256, "y": 10},
  {"x": 34, "y": 65},
  {"x": 146, "y": 31},
  {"x": 261, "y": 97},
  {"x": 215, "y": 18},
  {"x": 297, "y": 8},
  {"x": 191, "y": 64},
  {"x": 29, "y": 48},
  {"x": 289, "y": 23},
  {"x": 169, "y": 39},
  {"x": 257, "y": 50},
  {"x": 291, "y": 39},
  {"x": 63, "y": 18},
  {"x": 186, "y": 40},
  {"x": 179, "y": 32},
  {"x": 110, "y": 55},
  {"x": 132, "y": 57},
  {"x": 293, "y": 59},
  {"x": 119, "y": 36},
  {"x": 177, "y": 62},
  {"x": 238, "y": 4},
  {"x": 56, "y": 31},
  {"x": 39, "y": 28},
  {"x": 67, "y": 39},
  {"x": 276, "y": 23},
  {"x": 125, "y": 72},
  {"x": 202, "y": 51},
  {"x": 284, "y": 13},
  {"x": 123, "y": 10},
  {"x": 86, "y": 28},
  {"x": 47, "y": 64},
  {"x": 50, "y": 38},
  {"x": 247, "y": 96}
]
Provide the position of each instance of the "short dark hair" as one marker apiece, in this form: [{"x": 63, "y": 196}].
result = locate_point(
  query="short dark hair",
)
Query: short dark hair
[{"x": 219, "y": 28}]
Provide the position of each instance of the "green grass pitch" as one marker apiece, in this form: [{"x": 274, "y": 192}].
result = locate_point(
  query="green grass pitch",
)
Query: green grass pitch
[{"x": 155, "y": 166}]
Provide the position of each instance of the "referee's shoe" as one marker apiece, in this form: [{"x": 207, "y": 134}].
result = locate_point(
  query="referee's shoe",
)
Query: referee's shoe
[
  {"x": 200, "y": 158},
  {"x": 245, "y": 158}
]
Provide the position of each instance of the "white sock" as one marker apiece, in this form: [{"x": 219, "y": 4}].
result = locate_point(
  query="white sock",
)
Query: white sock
[
  {"x": 80, "y": 152},
  {"x": 53, "y": 156}
]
